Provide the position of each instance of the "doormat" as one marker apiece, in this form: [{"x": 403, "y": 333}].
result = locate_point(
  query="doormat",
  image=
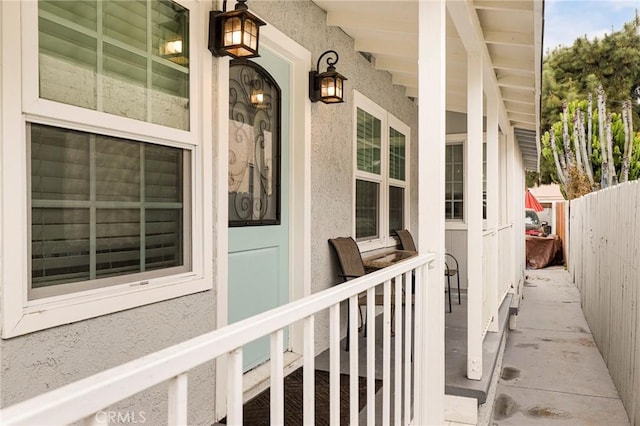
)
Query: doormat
[{"x": 256, "y": 411}]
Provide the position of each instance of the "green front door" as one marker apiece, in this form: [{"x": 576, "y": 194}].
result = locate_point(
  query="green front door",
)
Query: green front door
[{"x": 259, "y": 174}]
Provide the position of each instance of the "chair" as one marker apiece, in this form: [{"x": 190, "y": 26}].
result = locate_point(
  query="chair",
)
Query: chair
[
  {"x": 352, "y": 266},
  {"x": 449, "y": 272},
  {"x": 407, "y": 243}
]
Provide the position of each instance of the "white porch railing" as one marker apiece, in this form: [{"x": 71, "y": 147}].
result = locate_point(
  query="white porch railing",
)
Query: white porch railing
[
  {"x": 488, "y": 278},
  {"x": 87, "y": 397},
  {"x": 497, "y": 272},
  {"x": 505, "y": 261}
]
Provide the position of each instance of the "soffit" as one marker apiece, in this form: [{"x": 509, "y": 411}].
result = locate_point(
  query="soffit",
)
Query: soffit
[{"x": 509, "y": 31}]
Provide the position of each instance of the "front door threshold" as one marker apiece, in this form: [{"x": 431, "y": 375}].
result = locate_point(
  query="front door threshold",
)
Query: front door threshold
[{"x": 257, "y": 379}]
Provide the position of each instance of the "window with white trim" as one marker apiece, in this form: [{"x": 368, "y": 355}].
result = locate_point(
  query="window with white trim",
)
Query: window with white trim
[
  {"x": 381, "y": 174},
  {"x": 112, "y": 164},
  {"x": 455, "y": 181}
]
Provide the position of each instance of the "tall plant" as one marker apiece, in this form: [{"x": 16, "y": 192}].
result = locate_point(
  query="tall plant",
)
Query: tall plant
[{"x": 594, "y": 153}]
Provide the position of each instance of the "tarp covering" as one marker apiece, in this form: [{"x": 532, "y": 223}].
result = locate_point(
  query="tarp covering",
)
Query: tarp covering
[
  {"x": 530, "y": 202},
  {"x": 543, "y": 251}
]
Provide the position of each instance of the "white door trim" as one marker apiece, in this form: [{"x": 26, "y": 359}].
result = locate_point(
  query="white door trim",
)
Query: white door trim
[{"x": 300, "y": 188}]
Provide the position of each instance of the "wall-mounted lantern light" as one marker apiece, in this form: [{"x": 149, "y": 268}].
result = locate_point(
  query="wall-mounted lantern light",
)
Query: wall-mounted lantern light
[
  {"x": 234, "y": 33},
  {"x": 326, "y": 86}
]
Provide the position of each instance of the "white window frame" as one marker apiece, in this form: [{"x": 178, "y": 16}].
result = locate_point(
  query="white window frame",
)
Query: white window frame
[
  {"x": 21, "y": 104},
  {"x": 387, "y": 121},
  {"x": 461, "y": 139}
]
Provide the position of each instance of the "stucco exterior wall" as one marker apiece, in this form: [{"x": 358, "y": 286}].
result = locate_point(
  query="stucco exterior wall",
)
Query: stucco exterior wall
[
  {"x": 45, "y": 360},
  {"x": 332, "y": 162},
  {"x": 38, "y": 362}
]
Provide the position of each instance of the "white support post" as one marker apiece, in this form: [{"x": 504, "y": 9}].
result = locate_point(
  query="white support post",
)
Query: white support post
[
  {"x": 516, "y": 200},
  {"x": 493, "y": 207},
  {"x": 429, "y": 408},
  {"x": 511, "y": 208},
  {"x": 473, "y": 175}
]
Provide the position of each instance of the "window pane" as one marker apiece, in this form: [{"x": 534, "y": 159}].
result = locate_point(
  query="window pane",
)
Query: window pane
[
  {"x": 59, "y": 164},
  {"x": 396, "y": 209},
  {"x": 163, "y": 237},
  {"x": 254, "y": 147},
  {"x": 367, "y": 209},
  {"x": 396, "y": 154},
  {"x": 369, "y": 136},
  {"x": 117, "y": 242},
  {"x": 132, "y": 62},
  {"x": 454, "y": 181},
  {"x": 104, "y": 206},
  {"x": 59, "y": 245}
]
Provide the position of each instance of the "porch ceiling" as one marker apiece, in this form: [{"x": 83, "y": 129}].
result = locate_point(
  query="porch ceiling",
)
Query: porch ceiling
[{"x": 509, "y": 31}]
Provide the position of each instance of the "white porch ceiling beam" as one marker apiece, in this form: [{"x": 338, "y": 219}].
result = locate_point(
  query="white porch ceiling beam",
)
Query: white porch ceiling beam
[
  {"x": 508, "y": 38},
  {"x": 467, "y": 24},
  {"x": 373, "y": 45},
  {"x": 409, "y": 80},
  {"x": 522, "y": 118},
  {"x": 503, "y": 5},
  {"x": 389, "y": 63},
  {"x": 509, "y": 64},
  {"x": 517, "y": 82},
  {"x": 524, "y": 125},
  {"x": 519, "y": 107},
  {"x": 365, "y": 20}
]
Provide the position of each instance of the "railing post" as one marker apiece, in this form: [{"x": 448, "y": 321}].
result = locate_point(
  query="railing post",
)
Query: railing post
[
  {"x": 308, "y": 371},
  {"x": 277, "y": 378},
  {"x": 177, "y": 407},
  {"x": 235, "y": 390},
  {"x": 334, "y": 364},
  {"x": 354, "y": 376}
]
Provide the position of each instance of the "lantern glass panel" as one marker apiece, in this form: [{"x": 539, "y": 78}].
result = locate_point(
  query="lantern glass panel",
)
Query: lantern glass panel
[
  {"x": 232, "y": 31},
  {"x": 328, "y": 87}
]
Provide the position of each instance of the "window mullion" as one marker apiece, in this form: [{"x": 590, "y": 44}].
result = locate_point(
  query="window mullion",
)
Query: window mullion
[
  {"x": 99, "y": 58},
  {"x": 92, "y": 209},
  {"x": 149, "y": 63},
  {"x": 143, "y": 220}
]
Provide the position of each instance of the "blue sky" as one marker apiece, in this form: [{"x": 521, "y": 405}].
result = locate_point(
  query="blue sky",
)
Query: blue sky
[{"x": 566, "y": 20}]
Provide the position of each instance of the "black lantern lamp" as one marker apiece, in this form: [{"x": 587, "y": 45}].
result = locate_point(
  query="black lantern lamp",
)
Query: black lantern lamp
[
  {"x": 326, "y": 86},
  {"x": 636, "y": 95},
  {"x": 234, "y": 33}
]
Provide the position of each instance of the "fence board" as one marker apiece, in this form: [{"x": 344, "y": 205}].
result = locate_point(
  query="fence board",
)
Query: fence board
[{"x": 604, "y": 242}]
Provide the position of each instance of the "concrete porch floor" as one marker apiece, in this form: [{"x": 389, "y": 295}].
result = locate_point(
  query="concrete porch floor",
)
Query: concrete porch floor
[{"x": 552, "y": 371}]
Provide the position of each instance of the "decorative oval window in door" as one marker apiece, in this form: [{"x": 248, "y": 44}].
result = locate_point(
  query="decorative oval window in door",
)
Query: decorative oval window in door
[{"x": 254, "y": 145}]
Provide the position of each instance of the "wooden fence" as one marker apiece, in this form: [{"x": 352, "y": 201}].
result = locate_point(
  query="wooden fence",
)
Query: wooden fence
[{"x": 604, "y": 246}]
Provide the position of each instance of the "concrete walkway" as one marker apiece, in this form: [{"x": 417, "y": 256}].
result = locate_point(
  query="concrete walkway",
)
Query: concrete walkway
[{"x": 552, "y": 372}]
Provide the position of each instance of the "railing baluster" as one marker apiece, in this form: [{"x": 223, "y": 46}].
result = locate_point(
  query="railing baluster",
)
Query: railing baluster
[
  {"x": 418, "y": 371},
  {"x": 386, "y": 352},
  {"x": 234, "y": 385},
  {"x": 371, "y": 355},
  {"x": 177, "y": 408},
  {"x": 334, "y": 364},
  {"x": 354, "y": 378},
  {"x": 309, "y": 393},
  {"x": 408, "y": 349},
  {"x": 277, "y": 378},
  {"x": 397, "y": 350}
]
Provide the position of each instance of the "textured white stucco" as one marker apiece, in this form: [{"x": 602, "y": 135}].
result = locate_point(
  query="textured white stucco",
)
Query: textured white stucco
[{"x": 44, "y": 360}]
